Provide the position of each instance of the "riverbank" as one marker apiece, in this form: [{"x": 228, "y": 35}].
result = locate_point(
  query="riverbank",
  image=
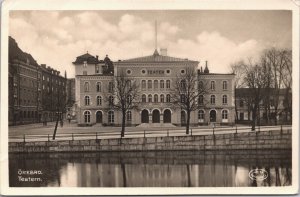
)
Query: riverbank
[{"x": 233, "y": 141}]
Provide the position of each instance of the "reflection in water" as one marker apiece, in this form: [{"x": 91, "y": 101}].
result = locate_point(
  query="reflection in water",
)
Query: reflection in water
[{"x": 152, "y": 169}]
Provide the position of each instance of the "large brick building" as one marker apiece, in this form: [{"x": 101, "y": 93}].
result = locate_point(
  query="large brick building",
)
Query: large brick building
[
  {"x": 35, "y": 92},
  {"x": 156, "y": 76}
]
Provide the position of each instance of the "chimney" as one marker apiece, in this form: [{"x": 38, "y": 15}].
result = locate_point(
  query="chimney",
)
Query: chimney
[
  {"x": 201, "y": 70},
  {"x": 97, "y": 57},
  {"x": 164, "y": 51}
]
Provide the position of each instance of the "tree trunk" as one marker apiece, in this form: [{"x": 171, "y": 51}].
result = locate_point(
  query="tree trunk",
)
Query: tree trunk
[
  {"x": 275, "y": 114},
  {"x": 235, "y": 107},
  {"x": 253, "y": 118},
  {"x": 188, "y": 122},
  {"x": 123, "y": 123}
]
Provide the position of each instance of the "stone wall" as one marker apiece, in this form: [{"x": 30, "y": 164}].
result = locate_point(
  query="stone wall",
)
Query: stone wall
[{"x": 240, "y": 141}]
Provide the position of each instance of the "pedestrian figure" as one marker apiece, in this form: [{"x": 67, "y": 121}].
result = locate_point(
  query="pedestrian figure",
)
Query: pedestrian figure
[{"x": 69, "y": 118}]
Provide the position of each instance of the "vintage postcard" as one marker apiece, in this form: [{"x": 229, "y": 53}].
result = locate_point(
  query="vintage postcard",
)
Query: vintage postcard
[{"x": 148, "y": 97}]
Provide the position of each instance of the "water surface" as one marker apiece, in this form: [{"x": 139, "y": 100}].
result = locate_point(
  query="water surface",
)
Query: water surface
[{"x": 151, "y": 169}]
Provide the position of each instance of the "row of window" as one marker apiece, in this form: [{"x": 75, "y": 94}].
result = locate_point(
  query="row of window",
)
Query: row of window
[
  {"x": 28, "y": 114},
  {"x": 213, "y": 85},
  {"x": 201, "y": 114},
  {"x": 212, "y": 100},
  {"x": 155, "y": 84},
  {"x": 110, "y": 116},
  {"x": 157, "y": 99},
  {"x": 98, "y": 87}
]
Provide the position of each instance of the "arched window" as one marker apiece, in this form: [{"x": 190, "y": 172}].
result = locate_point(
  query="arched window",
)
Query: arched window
[
  {"x": 212, "y": 85},
  {"x": 168, "y": 98},
  {"x": 150, "y": 98},
  {"x": 87, "y": 100},
  {"x": 224, "y": 85},
  {"x": 224, "y": 99},
  {"x": 98, "y": 87},
  {"x": 201, "y": 115},
  {"x": 99, "y": 100},
  {"x": 110, "y": 100},
  {"x": 111, "y": 117},
  {"x": 87, "y": 116},
  {"x": 86, "y": 86},
  {"x": 155, "y": 84},
  {"x": 143, "y": 84},
  {"x": 212, "y": 99},
  {"x": 183, "y": 85},
  {"x": 200, "y": 85},
  {"x": 144, "y": 99},
  {"x": 168, "y": 84},
  {"x": 241, "y": 103},
  {"x": 225, "y": 114},
  {"x": 129, "y": 116},
  {"x": 200, "y": 100},
  {"x": 129, "y": 99},
  {"x": 149, "y": 84},
  {"x": 155, "y": 98},
  {"x": 162, "y": 84},
  {"x": 162, "y": 98},
  {"x": 110, "y": 87}
]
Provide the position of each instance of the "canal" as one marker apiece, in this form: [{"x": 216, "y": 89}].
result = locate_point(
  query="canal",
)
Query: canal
[{"x": 151, "y": 169}]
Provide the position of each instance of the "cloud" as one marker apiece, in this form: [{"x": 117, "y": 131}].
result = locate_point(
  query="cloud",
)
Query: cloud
[{"x": 57, "y": 39}]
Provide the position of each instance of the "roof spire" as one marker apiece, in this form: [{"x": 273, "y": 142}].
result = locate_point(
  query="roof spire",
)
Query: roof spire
[
  {"x": 206, "y": 70},
  {"x": 155, "y": 51},
  {"x": 155, "y": 35}
]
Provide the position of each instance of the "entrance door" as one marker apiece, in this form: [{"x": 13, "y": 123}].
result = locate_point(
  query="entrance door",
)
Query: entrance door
[
  {"x": 99, "y": 117},
  {"x": 155, "y": 116},
  {"x": 182, "y": 117},
  {"x": 145, "y": 116},
  {"x": 241, "y": 116},
  {"x": 213, "y": 116},
  {"x": 167, "y": 116}
]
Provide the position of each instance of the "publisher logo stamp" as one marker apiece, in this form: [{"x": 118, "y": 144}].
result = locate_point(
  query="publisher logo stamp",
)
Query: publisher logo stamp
[{"x": 258, "y": 174}]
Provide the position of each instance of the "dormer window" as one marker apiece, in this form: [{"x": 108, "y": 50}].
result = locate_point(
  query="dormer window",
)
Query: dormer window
[
  {"x": 97, "y": 69},
  {"x": 85, "y": 64}
]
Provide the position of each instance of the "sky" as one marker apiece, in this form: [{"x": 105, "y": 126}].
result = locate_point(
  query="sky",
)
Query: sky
[{"x": 56, "y": 38}]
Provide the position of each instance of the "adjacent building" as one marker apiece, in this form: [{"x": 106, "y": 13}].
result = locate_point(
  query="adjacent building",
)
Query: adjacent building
[
  {"x": 281, "y": 98},
  {"x": 36, "y": 92},
  {"x": 156, "y": 75}
]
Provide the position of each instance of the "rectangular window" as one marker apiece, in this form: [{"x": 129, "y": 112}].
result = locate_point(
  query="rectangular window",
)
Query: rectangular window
[{"x": 84, "y": 72}]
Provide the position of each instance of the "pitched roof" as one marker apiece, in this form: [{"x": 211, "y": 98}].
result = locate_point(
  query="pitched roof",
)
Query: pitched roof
[
  {"x": 16, "y": 53},
  {"x": 88, "y": 58},
  {"x": 156, "y": 57}
]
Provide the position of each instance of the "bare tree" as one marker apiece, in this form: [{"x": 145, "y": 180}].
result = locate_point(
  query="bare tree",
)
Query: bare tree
[
  {"x": 256, "y": 81},
  {"x": 124, "y": 96},
  {"x": 287, "y": 81},
  {"x": 239, "y": 70},
  {"x": 185, "y": 93}
]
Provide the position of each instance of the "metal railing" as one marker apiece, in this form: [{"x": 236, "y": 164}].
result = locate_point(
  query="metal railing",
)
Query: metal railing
[{"x": 141, "y": 133}]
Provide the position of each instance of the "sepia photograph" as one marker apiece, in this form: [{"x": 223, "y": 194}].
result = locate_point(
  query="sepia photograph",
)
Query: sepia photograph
[{"x": 152, "y": 98}]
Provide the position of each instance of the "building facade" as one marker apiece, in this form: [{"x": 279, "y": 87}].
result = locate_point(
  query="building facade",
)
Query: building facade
[
  {"x": 33, "y": 88},
  {"x": 156, "y": 75},
  {"x": 266, "y": 112},
  {"x": 53, "y": 93}
]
